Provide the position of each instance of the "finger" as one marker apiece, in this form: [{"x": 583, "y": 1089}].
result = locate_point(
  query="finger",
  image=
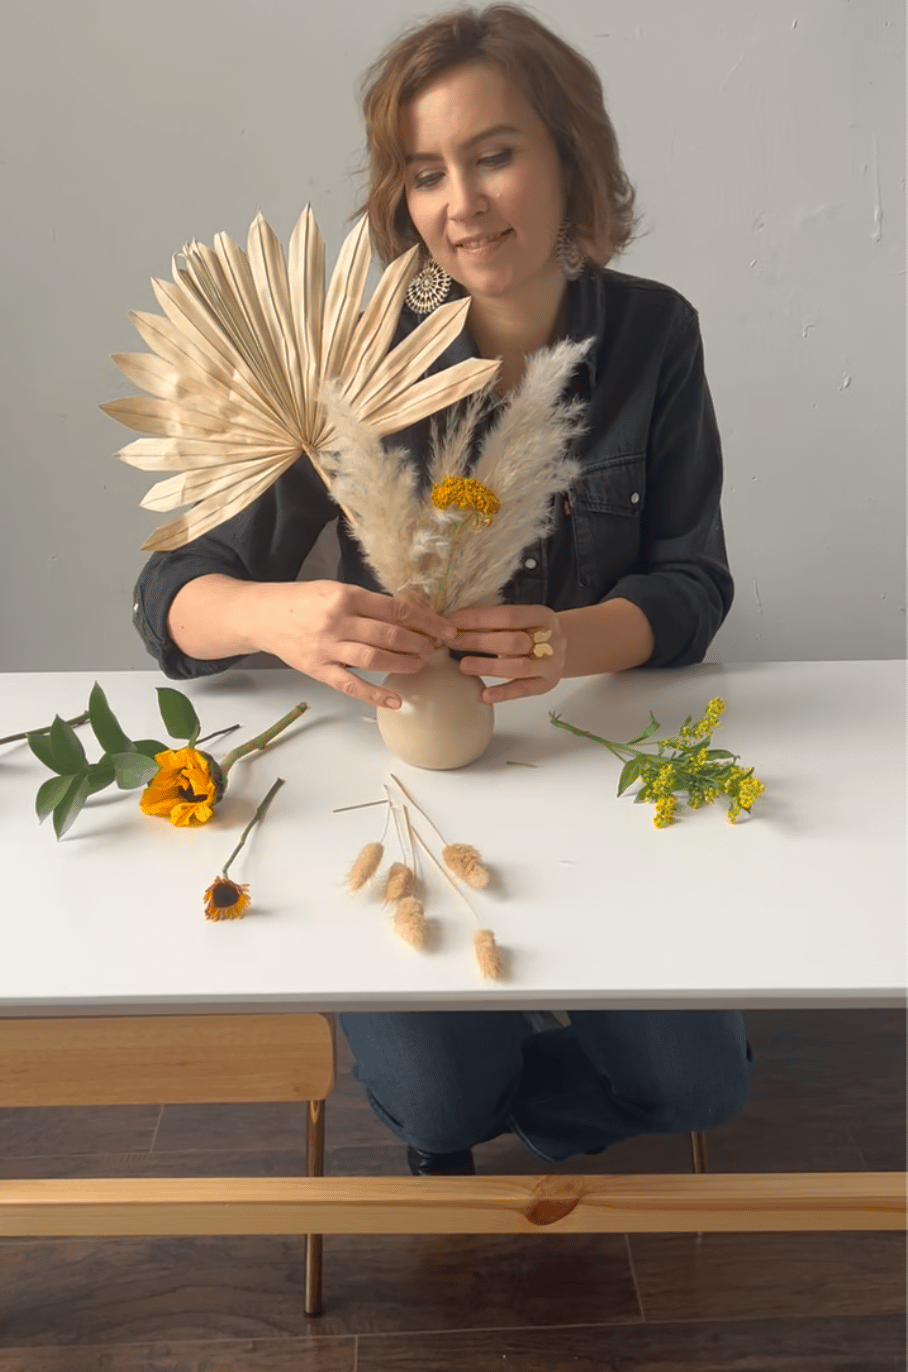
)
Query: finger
[
  {"x": 511, "y": 668},
  {"x": 516, "y": 690},
  {"x": 380, "y": 633},
  {"x": 418, "y": 618},
  {"x": 366, "y": 657},
  {"x": 344, "y": 681},
  {"x": 499, "y": 617},
  {"x": 516, "y": 643}
]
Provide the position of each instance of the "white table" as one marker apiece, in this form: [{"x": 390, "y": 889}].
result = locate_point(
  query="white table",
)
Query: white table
[{"x": 801, "y": 905}]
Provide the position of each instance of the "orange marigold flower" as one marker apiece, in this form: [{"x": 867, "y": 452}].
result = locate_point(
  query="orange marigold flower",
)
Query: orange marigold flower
[
  {"x": 226, "y": 899},
  {"x": 463, "y": 493},
  {"x": 188, "y": 785}
]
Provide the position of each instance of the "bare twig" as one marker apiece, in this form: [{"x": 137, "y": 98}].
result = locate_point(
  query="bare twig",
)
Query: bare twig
[{"x": 46, "y": 728}]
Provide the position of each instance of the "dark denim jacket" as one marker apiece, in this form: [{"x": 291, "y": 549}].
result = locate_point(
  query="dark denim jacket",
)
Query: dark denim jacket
[{"x": 642, "y": 521}]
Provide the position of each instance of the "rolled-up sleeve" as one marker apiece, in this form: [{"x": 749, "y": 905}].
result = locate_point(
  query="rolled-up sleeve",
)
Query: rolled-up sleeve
[
  {"x": 268, "y": 541},
  {"x": 683, "y": 583}
]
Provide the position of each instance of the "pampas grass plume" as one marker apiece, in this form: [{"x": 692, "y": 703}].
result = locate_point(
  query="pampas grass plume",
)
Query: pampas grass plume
[
  {"x": 466, "y": 862},
  {"x": 410, "y": 922},
  {"x": 400, "y": 882},
  {"x": 365, "y": 866},
  {"x": 487, "y": 955}
]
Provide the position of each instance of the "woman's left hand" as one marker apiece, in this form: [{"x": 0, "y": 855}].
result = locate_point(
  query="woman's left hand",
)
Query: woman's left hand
[{"x": 506, "y": 632}]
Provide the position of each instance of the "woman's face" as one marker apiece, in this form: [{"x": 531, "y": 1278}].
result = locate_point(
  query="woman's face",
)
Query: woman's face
[{"x": 484, "y": 184}]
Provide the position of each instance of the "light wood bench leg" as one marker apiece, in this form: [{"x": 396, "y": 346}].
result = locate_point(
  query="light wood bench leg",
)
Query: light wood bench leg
[{"x": 315, "y": 1167}]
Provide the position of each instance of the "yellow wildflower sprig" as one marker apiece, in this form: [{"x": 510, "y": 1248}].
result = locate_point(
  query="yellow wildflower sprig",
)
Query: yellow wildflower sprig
[
  {"x": 479, "y": 506},
  {"x": 682, "y": 764},
  {"x": 226, "y": 899}
]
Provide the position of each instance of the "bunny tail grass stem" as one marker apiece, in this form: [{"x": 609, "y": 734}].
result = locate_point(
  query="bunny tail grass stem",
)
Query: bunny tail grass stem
[
  {"x": 395, "y": 812},
  {"x": 363, "y": 805},
  {"x": 410, "y": 838},
  {"x": 401, "y": 786}
]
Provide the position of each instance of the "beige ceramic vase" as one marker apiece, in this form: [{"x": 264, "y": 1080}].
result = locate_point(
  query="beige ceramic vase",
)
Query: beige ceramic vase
[{"x": 443, "y": 722}]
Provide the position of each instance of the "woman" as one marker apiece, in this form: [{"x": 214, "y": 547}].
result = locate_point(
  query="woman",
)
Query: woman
[{"x": 490, "y": 147}]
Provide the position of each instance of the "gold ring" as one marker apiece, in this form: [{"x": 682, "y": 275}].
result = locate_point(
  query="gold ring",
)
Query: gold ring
[{"x": 540, "y": 640}]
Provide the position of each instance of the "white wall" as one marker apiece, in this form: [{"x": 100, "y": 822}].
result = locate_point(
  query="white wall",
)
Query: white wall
[{"x": 766, "y": 139}]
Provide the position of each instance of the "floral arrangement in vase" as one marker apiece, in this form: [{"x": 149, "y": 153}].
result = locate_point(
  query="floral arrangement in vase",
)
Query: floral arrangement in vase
[{"x": 257, "y": 364}]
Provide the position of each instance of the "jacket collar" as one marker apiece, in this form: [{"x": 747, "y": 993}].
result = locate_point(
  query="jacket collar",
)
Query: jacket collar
[{"x": 586, "y": 317}]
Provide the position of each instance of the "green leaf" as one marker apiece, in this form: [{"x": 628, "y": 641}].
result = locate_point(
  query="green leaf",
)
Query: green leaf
[
  {"x": 107, "y": 729},
  {"x": 719, "y": 752},
  {"x": 40, "y": 745},
  {"x": 178, "y": 714},
  {"x": 67, "y": 748},
  {"x": 68, "y": 808},
  {"x": 133, "y": 769},
  {"x": 149, "y": 746},
  {"x": 650, "y": 729},
  {"x": 630, "y": 773},
  {"x": 639, "y": 798},
  {"x": 101, "y": 774},
  {"x": 50, "y": 793}
]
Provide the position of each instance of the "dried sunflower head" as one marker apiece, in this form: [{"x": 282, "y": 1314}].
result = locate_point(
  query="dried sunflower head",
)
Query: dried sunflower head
[{"x": 186, "y": 789}]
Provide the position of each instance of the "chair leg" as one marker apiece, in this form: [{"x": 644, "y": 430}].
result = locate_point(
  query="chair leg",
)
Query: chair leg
[
  {"x": 315, "y": 1167},
  {"x": 698, "y": 1150}
]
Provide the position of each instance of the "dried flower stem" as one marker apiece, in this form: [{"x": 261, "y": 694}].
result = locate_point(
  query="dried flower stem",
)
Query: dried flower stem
[
  {"x": 363, "y": 805},
  {"x": 255, "y": 819}
]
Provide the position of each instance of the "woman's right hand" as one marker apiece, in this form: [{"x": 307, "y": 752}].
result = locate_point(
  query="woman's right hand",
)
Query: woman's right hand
[{"x": 324, "y": 628}]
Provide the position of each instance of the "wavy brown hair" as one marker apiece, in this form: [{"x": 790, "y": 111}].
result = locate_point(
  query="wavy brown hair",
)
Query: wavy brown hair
[{"x": 563, "y": 88}]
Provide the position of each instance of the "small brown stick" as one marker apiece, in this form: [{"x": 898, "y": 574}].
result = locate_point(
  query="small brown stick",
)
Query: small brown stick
[{"x": 46, "y": 728}]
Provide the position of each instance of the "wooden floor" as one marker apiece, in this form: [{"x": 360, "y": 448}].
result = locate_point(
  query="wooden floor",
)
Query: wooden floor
[{"x": 828, "y": 1095}]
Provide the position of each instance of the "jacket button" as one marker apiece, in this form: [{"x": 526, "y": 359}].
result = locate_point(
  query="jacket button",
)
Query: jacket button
[
  {"x": 530, "y": 563},
  {"x": 635, "y": 498}
]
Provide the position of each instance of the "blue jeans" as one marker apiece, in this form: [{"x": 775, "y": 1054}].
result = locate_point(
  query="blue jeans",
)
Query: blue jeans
[{"x": 442, "y": 1081}]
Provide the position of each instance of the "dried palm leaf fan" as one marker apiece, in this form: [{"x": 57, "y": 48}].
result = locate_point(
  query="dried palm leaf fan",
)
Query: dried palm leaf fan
[{"x": 239, "y": 361}]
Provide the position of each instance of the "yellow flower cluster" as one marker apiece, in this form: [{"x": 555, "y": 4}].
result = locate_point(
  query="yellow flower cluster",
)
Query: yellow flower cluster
[
  {"x": 664, "y": 783},
  {"x": 689, "y": 733},
  {"x": 463, "y": 493},
  {"x": 743, "y": 788}
]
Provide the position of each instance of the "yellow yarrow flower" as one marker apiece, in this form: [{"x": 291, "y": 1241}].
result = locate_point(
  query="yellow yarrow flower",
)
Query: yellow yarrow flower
[{"x": 463, "y": 493}]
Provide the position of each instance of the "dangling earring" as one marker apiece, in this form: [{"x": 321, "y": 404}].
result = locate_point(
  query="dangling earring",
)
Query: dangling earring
[
  {"x": 428, "y": 288},
  {"x": 570, "y": 258}
]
